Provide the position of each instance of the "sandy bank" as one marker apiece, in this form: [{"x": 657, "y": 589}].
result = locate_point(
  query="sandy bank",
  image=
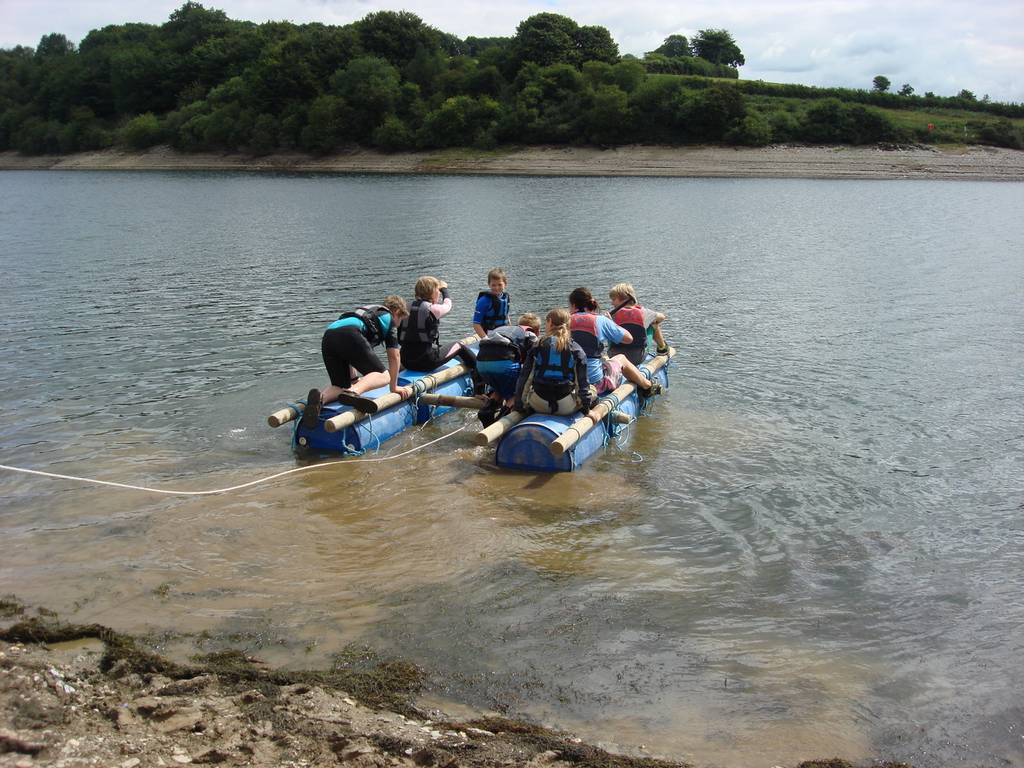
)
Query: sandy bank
[{"x": 970, "y": 163}]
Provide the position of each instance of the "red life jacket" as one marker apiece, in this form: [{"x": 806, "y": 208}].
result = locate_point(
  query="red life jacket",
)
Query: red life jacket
[
  {"x": 583, "y": 326},
  {"x": 631, "y": 317}
]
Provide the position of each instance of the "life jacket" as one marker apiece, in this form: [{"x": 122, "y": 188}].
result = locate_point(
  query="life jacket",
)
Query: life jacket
[
  {"x": 631, "y": 318},
  {"x": 554, "y": 374},
  {"x": 421, "y": 326},
  {"x": 497, "y": 315},
  {"x": 371, "y": 315},
  {"x": 583, "y": 326},
  {"x": 509, "y": 342}
]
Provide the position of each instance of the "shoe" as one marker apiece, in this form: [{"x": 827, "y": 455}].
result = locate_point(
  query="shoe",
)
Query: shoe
[
  {"x": 487, "y": 414},
  {"x": 360, "y": 403},
  {"x": 311, "y": 415},
  {"x": 654, "y": 389}
]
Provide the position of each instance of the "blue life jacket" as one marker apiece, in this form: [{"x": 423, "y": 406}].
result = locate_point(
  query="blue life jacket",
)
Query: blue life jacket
[
  {"x": 497, "y": 314},
  {"x": 554, "y": 373}
]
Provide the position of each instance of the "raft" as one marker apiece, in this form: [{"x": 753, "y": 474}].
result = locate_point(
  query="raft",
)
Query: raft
[
  {"x": 527, "y": 446},
  {"x": 367, "y": 434},
  {"x": 534, "y": 443}
]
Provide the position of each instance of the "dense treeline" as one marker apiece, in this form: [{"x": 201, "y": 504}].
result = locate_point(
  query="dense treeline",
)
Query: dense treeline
[{"x": 202, "y": 81}]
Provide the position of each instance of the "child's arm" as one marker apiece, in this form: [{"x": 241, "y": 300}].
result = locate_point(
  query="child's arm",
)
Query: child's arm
[
  {"x": 524, "y": 375},
  {"x": 442, "y": 309},
  {"x": 479, "y": 312},
  {"x": 394, "y": 363}
]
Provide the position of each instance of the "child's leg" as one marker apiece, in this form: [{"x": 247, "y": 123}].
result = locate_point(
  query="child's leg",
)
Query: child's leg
[
  {"x": 659, "y": 337},
  {"x": 632, "y": 373}
]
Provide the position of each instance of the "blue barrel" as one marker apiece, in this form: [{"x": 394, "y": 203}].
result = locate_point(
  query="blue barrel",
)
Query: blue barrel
[
  {"x": 526, "y": 445},
  {"x": 368, "y": 434}
]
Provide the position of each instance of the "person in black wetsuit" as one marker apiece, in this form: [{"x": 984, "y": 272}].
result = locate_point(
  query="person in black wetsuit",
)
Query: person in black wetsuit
[{"x": 347, "y": 345}]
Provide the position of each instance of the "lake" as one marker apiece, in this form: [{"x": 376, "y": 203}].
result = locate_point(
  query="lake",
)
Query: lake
[{"x": 814, "y": 546}]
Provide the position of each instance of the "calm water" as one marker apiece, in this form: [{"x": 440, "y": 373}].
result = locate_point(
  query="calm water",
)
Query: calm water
[{"x": 821, "y": 552}]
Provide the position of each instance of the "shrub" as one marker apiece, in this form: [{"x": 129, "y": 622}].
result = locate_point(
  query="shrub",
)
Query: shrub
[{"x": 141, "y": 132}]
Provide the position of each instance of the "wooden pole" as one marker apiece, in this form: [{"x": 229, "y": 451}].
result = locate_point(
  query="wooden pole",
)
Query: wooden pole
[
  {"x": 454, "y": 401},
  {"x": 418, "y": 387},
  {"x": 291, "y": 413},
  {"x": 606, "y": 404},
  {"x": 500, "y": 427}
]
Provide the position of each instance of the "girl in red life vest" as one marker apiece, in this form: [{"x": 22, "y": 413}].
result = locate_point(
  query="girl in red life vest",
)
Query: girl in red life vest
[{"x": 639, "y": 321}]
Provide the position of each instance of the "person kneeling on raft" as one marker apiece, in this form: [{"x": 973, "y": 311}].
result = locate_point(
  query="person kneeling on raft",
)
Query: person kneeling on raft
[
  {"x": 420, "y": 337},
  {"x": 347, "y": 347},
  {"x": 554, "y": 376},
  {"x": 591, "y": 331},
  {"x": 503, "y": 352}
]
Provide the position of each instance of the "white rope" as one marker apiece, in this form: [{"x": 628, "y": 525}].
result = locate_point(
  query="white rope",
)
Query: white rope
[{"x": 251, "y": 483}]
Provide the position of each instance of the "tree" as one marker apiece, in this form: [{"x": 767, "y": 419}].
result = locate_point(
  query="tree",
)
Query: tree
[
  {"x": 718, "y": 46},
  {"x": 371, "y": 89},
  {"x": 881, "y": 83},
  {"x": 191, "y": 24},
  {"x": 54, "y": 45},
  {"x": 396, "y": 36},
  {"x": 711, "y": 113},
  {"x": 596, "y": 44},
  {"x": 967, "y": 95},
  {"x": 906, "y": 90},
  {"x": 546, "y": 39},
  {"x": 607, "y": 118},
  {"x": 675, "y": 46}
]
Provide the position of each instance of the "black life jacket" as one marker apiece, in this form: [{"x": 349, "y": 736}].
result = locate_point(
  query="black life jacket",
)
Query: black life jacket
[
  {"x": 497, "y": 315},
  {"x": 373, "y": 327},
  {"x": 631, "y": 317},
  {"x": 509, "y": 342},
  {"x": 583, "y": 326},
  {"x": 421, "y": 326},
  {"x": 554, "y": 373}
]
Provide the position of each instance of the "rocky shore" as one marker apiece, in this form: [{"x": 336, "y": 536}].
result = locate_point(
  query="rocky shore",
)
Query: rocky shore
[
  {"x": 83, "y": 695},
  {"x": 780, "y": 161}
]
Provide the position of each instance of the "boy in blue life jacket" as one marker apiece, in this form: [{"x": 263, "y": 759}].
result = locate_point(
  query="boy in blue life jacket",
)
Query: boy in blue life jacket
[
  {"x": 502, "y": 354},
  {"x": 492, "y": 305}
]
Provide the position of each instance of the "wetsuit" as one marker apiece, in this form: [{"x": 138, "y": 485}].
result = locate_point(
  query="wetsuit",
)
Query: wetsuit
[{"x": 349, "y": 341}]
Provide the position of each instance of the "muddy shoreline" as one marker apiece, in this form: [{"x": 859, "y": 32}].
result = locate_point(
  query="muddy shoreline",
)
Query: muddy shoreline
[
  {"x": 77, "y": 695},
  {"x": 972, "y": 163}
]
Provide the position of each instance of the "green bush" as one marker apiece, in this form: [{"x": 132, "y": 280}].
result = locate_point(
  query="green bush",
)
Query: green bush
[
  {"x": 142, "y": 132},
  {"x": 754, "y": 130},
  {"x": 393, "y": 135}
]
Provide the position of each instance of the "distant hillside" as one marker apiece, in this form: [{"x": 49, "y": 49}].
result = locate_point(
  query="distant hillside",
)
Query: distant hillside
[{"x": 203, "y": 82}]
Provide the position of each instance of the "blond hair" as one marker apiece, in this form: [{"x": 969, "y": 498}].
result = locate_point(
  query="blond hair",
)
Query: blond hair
[
  {"x": 623, "y": 291},
  {"x": 559, "y": 321},
  {"x": 497, "y": 274},
  {"x": 530, "y": 320},
  {"x": 426, "y": 287},
  {"x": 396, "y": 306}
]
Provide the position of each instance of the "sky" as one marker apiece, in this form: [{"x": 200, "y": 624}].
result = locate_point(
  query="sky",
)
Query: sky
[{"x": 942, "y": 46}]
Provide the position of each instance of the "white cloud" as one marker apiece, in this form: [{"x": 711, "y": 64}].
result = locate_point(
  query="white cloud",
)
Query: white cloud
[{"x": 938, "y": 45}]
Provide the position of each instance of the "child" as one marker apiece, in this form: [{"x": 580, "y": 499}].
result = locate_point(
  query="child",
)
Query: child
[
  {"x": 421, "y": 344},
  {"x": 502, "y": 354},
  {"x": 555, "y": 372},
  {"x": 492, "y": 306},
  {"x": 591, "y": 331},
  {"x": 640, "y": 323},
  {"x": 348, "y": 344}
]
